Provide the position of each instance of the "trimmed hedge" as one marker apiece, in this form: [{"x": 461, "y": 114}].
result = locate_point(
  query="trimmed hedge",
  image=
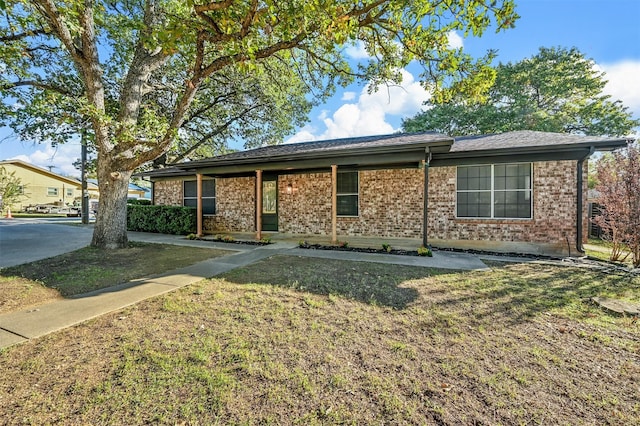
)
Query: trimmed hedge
[
  {"x": 139, "y": 201},
  {"x": 162, "y": 219}
]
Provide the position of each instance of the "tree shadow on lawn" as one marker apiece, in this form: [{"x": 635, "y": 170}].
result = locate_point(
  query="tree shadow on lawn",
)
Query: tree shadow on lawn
[
  {"x": 514, "y": 293},
  {"x": 367, "y": 282},
  {"x": 510, "y": 294}
]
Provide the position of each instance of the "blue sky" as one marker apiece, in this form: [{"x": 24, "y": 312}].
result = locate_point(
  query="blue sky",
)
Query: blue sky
[{"x": 606, "y": 31}]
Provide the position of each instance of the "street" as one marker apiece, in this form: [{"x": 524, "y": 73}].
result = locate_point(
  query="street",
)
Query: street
[{"x": 26, "y": 240}]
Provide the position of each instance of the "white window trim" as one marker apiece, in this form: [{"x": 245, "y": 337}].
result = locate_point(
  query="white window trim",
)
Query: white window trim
[
  {"x": 357, "y": 194},
  {"x": 55, "y": 191},
  {"x": 493, "y": 190}
]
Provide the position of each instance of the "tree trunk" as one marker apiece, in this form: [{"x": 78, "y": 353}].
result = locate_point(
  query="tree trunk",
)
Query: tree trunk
[{"x": 110, "y": 230}]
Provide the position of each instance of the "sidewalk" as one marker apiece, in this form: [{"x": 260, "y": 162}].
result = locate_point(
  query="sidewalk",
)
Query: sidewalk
[{"x": 20, "y": 326}]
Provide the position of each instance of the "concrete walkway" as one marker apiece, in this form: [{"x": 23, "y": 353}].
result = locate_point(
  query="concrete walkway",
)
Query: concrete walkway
[{"x": 20, "y": 326}]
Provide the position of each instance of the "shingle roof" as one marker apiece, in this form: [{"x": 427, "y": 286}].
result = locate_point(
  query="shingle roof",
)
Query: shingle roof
[
  {"x": 522, "y": 138},
  {"x": 326, "y": 147},
  {"x": 41, "y": 170},
  {"x": 444, "y": 147}
]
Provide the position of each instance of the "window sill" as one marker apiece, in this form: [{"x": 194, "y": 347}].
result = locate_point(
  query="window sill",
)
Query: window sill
[{"x": 494, "y": 220}]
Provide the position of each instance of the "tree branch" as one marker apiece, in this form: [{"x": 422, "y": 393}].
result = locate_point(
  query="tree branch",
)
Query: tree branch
[
  {"x": 40, "y": 85},
  {"x": 218, "y": 130},
  {"x": 19, "y": 36},
  {"x": 216, "y": 5},
  {"x": 143, "y": 64}
]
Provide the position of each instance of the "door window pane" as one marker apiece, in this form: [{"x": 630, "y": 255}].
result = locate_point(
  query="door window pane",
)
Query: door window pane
[{"x": 269, "y": 196}]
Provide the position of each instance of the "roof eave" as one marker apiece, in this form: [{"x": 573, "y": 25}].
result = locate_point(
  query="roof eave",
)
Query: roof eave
[
  {"x": 363, "y": 152},
  {"x": 572, "y": 151}
]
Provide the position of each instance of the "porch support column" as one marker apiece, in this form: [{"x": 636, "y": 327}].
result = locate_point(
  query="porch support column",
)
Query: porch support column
[
  {"x": 258, "y": 204},
  {"x": 425, "y": 196},
  {"x": 334, "y": 203},
  {"x": 199, "y": 204}
]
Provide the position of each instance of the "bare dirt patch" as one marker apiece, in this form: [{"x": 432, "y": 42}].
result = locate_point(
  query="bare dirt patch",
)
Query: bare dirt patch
[{"x": 313, "y": 341}]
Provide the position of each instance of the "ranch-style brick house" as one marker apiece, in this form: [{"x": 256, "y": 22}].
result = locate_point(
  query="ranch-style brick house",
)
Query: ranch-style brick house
[{"x": 520, "y": 191}]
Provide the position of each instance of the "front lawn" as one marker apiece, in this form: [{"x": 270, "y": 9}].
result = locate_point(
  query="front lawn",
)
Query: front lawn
[
  {"x": 292, "y": 340},
  {"x": 90, "y": 269}
]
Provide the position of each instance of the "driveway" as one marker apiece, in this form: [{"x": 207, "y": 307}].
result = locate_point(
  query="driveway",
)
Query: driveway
[{"x": 26, "y": 240}]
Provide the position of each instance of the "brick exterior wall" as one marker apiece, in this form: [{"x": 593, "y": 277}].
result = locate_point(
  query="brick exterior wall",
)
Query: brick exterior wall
[
  {"x": 554, "y": 211},
  {"x": 307, "y": 210},
  {"x": 167, "y": 193},
  {"x": 391, "y": 205},
  {"x": 235, "y": 203},
  {"x": 235, "y": 206}
]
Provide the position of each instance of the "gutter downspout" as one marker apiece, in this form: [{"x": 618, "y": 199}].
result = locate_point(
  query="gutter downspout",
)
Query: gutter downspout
[
  {"x": 425, "y": 218},
  {"x": 579, "y": 200}
]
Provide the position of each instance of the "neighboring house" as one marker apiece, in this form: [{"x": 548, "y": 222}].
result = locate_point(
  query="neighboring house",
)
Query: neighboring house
[
  {"x": 512, "y": 192},
  {"x": 134, "y": 191},
  {"x": 41, "y": 186},
  {"x": 137, "y": 191}
]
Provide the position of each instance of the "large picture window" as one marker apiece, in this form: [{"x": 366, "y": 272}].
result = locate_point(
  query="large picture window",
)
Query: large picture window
[
  {"x": 208, "y": 195},
  {"x": 494, "y": 191},
  {"x": 347, "y": 194}
]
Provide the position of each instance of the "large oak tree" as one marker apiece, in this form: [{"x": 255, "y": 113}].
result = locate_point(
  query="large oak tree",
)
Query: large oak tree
[
  {"x": 142, "y": 63},
  {"x": 556, "y": 90}
]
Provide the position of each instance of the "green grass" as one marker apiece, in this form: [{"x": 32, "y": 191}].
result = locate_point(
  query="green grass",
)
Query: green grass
[
  {"x": 601, "y": 250},
  {"x": 90, "y": 269},
  {"x": 292, "y": 340},
  {"x": 37, "y": 215}
]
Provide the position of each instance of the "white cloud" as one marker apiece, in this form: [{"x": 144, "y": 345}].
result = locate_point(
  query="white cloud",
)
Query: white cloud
[
  {"x": 348, "y": 96},
  {"x": 455, "y": 40},
  {"x": 624, "y": 83},
  {"x": 369, "y": 115},
  {"x": 323, "y": 114},
  {"x": 60, "y": 159},
  {"x": 305, "y": 134},
  {"x": 357, "y": 51}
]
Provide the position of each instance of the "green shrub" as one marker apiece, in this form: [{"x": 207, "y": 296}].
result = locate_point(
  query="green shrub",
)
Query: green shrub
[
  {"x": 386, "y": 247},
  {"x": 162, "y": 219},
  {"x": 139, "y": 201},
  {"x": 425, "y": 251}
]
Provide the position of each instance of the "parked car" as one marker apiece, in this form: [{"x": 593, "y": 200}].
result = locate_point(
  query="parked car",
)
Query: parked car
[
  {"x": 70, "y": 211},
  {"x": 47, "y": 208}
]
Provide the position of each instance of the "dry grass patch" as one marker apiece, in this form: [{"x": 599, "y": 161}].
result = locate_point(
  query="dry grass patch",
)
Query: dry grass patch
[
  {"x": 19, "y": 293},
  {"x": 308, "y": 341},
  {"x": 90, "y": 269}
]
